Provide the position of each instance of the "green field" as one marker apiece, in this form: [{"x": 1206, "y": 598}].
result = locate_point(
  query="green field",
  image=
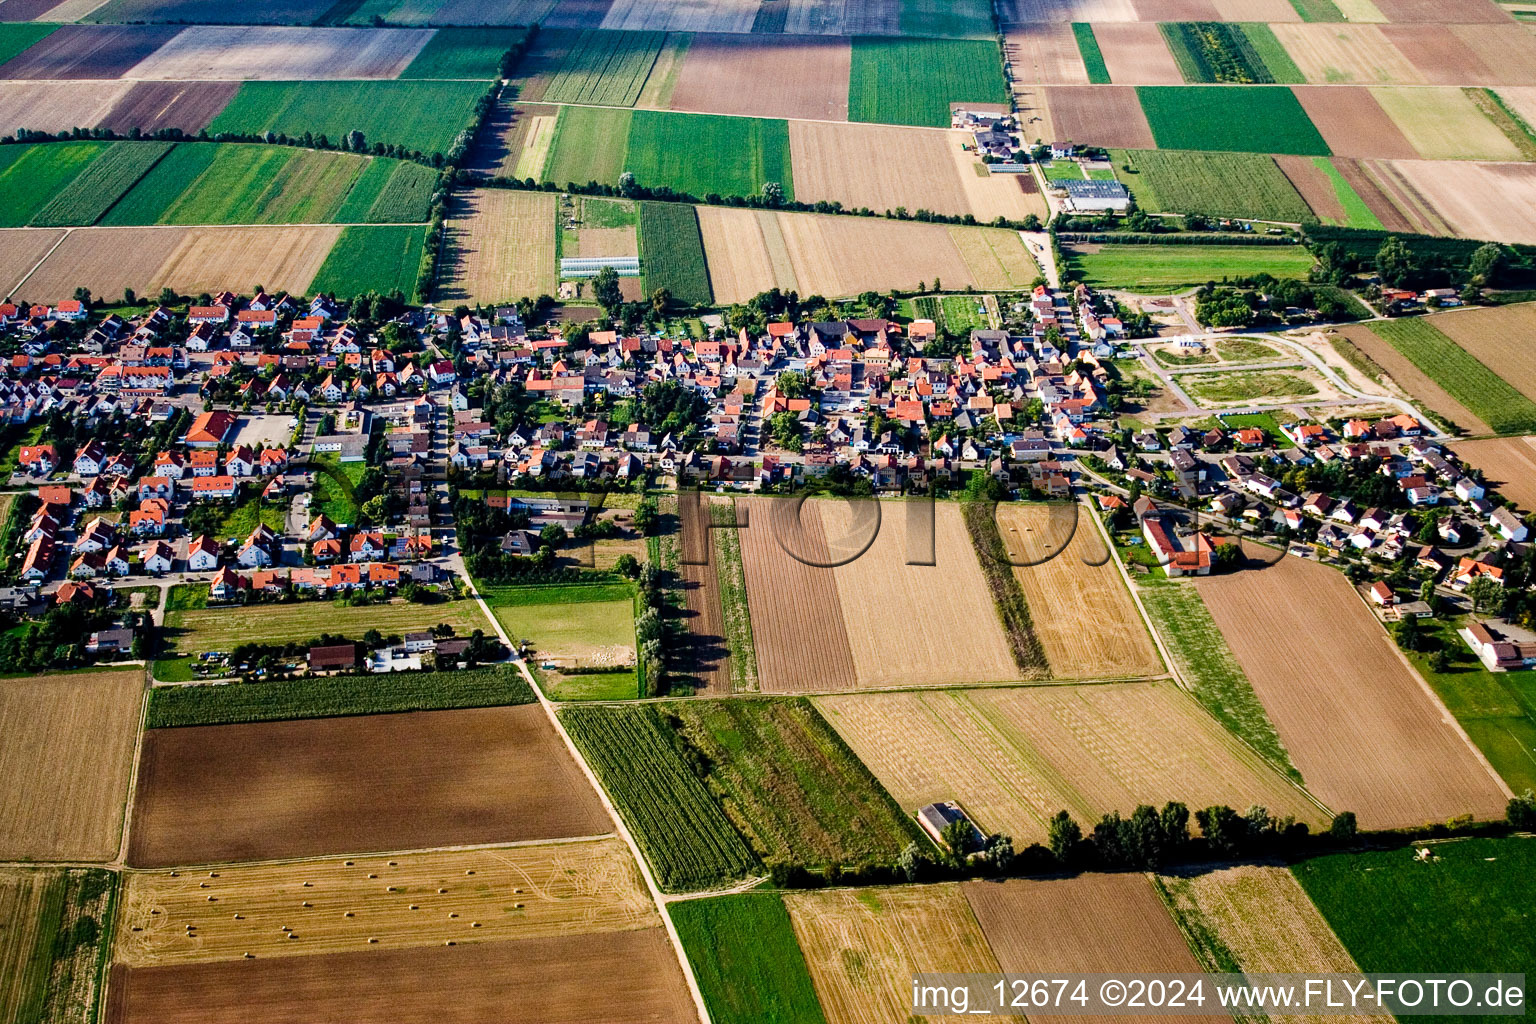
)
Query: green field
[
  {"x": 196, "y": 630},
  {"x": 1214, "y": 51},
  {"x": 1256, "y": 120},
  {"x": 335, "y": 487},
  {"x": 623, "y": 685},
  {"x": 162, "y": 186},
  {"x": 333, "y": 696},
  {"x": 585, "y": 624},
  {"x": 1282, "y": 68},
  {"x": 421, "y": 116},
  {"x": 464, "y": 53},
  {"x": 382, "y": 259},
  {"x": 1497, "y": 709},
  {"x": 17, "y": 36},
  {"x": 789, "y": 784},
  {"x": 1469, "y": 909},
  {"x": 590, "y": 144},
  {"x": 1318, "y": 10},
  {"x": 1247, "y": 385},
  {"x": 707, "y": 153},
  {"x": 30, "y": 176},
  {"x": 1157, "y": 269},
  {"x": 601, "y": 67},
  {"x": 56, "y": 930},
  {"x": 1487, "y": 395},
  {"x": 674, "y": 253},
  {"x": 1356, "y": 213},
  {"x": 85, "y": 199},
  {"x": 1209, "y": 670},
  {"x": 686, "y": 837},
  {"x": 1248, "y": 185},
  {"x": 947, "y": 19},
  {"x": 390, "y": 192},
  {"x": 1093, "y": 57},
  {"x": 748, "y": 964},
  {"x": 731, "y": 575},
  {"x": 913, "y": 81}
]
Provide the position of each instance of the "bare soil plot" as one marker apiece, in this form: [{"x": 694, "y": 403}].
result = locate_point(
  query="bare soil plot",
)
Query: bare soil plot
[
  {"x": 1099, "y": 115},
  {"x": 1353, "y": 123},
  {"x": 1340, "y": 53},
  {"x": 377, "y": 782},
  {"x": 627, "y": 977},
  {"x": 283, "y": 54},
  {"x": 844, "y": 163},
  {"x": 742, "y": 262},
  {"x": 1082, "y": 613},
  {"x": 862, "y": 947},
  {"x": 56, "y": 106},
  {"x": 1315, "y": 186},
  {"x": 1505, "y": 49},
  {"x": 1441, "y": 12},
  {"x": 1443, "y": 123},
  {"x": 797, "y": 620},
  {"x": 1372, "y": 194},
  {"x": 1176, "y": 10},
  {"x": 501, "y": 246},
  {"x": 65, "y": 763},
  {"x": 1263, "y": 919},
  {"x": 1359, "y": 724},
  {"x": 305, "y": 908},
  {"x": 1439, "y": 56},
  {"x": 1136, "y": 54},
  {"x": 681, "y": 15},
  {"x": 766, "y": 76},
  {"x": 1022, "y": 11},
  {"x": 152, "y": 106},
  {"x": 1014, "y": 757},
  {"x": 878, "y": 588},
  {"x": 1098, "y": 924},
  {"x": 1413, "y": 380},
  {"x": 1383, "y": 181},
  {"x": 1045, "y": 53},
  {"x": 1508, "y": 463},
  {"x": 20, "y": 249},
  {"x": 1256, "y": 10},
  {"x": 708, "y": 654},
  {"x": 1478, "y": 200},
  {"x": 89, "y": 51}
]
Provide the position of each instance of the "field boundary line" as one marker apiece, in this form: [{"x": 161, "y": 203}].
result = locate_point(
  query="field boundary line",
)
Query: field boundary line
[{"x": 27, "y": 276}]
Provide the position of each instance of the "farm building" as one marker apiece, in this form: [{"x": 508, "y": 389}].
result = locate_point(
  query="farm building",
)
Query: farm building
[
  {"x": 935, "y": 818},
  {"x": 1097, "y": 196},
  {"x": 336, "y": 656}
]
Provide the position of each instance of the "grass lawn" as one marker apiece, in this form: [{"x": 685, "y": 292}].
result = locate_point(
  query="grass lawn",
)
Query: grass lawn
[
  {"x": 1254, "y": 119},
  {"x": 589, "y": 685},
  {"x": 1468, "y": 909},
  {"x": 335, "y": 488},
  {"x": 1247, "y": 385},
  {"x": 1064, "y": 170},
  {"x": 1215, "y": 678},
  {"x": 332, "y": 696},
  {"x": 16, "y": 438},
  {"x": 580, "y": 625},
  {"x": 748, "y": 964},
  {"x": 245, "y": 516},
  {"x": 1246, "y": 185},
  {"x": 1093, "y": 57},
  {"x": 222, "y": 628},
  {"x": 708, "y": 153},
  {"x": 913, "y": 81},
  {"x": 1244, "y": 350},
  {"x": 1158, "y": 269},
  {"x": 1263, "y": 420},
  {"x": 381, "y": 259},
  {"x": 590, "y": 144},
  {"x": 1489, "y": 397},
  {"x": 963, "y": 312}
]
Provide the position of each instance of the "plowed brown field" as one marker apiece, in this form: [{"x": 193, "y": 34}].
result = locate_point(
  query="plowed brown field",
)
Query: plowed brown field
[
  {"x": 1098, "y": 924},
  {"x": 1316, "y": 187},
  {"x": 65, "y": 763},
  {"x": 89, "y": 51},
  {"x": 1353, "y": 123},
  {"x": 1099, "y": 115},
  {"x": 1176, "y": 10},
  {"x": 797, "y": 620},
  {"x": 1442, "y": 58},
  {"x": 1359, "y": 724},
  {"x": 1256, "y": 10},
  {"x": 305, "y": 908},
  {"x": 1411, "y": 206},
  {"x": 1045, "y": 53},
  {"x": 1082, "y": 613},
  {"x": 1508, "y": 463},
  {"x": 862, "y": 947},
  {"x": 1372, "y": 194},
  {"x": 1025, "y": 11},
  {"x": 151, "y": 106},
  {"x": 1505, "y": 49},
  {"x": 1413, "y": 380},
  {"x": 628, "y": 977},
  {"x": 1442, "y": 12},
  {"x": 766, "y": 76},
  {"x": 1136, "y": 54},
  {"x": 338, "y": 785}
]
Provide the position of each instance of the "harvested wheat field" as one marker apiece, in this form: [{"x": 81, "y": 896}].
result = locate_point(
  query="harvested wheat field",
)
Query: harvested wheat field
[
  {"x": 20, "y": 249},
  {"x": 1045, "y": 54},
  {"x": 1256, "y": 10},
  {"x": 1014, "y": 757},
  {"x": 797, "y": 620},
  {"x": 925, "y": 178},
  {"x": 1478, "y": 200},
  {"x": 376, "y": 782},
  {"x": 500, "y": 246},
  {"x": 305, "y": 908},
  {"x": 153, "y": 106},
  {"x": 1083, "y": 615},
  {"x": 1413, "y": 380},
  {"x": 1445, "y": 124},
  {"x": 1023, "y": 11},
  {"x": 56, "y": 106},
  {"x": 1508, "y": 463},
  {"x": 996, "y": 258},
  {"x": 685, "y": 16},
  {"x": 746, "y": 253},
  {"x": 515, "y": 141},
  {"x": 957, "y": 639},
  {"x": 1504, "y": 48},
  {"x": 1353, "y": 123},
  {"x": 766, "y": 76},
  {"x": 1136, "y": 54},
  {"x": 848, "y": 255},
  {"x": 1442, "y": 12},
  {"x": 1103, "y": 115},
  {"x": 1359, "y": 724},
  {"x": 1098, "y": 923},
  {"x": 627, "y": 977},
  {"x": 862, "y": 947},
  {"x": 1263, "y": 920},
  {"x": 88, "y": 51},
  {"x": 1440, "y": 57},
  {"x": 65, "y": 763},
  {"x": 1033, "y": 106},
  {"x": 282, "y": 54},
  {"x": 1335, "y": 53}
]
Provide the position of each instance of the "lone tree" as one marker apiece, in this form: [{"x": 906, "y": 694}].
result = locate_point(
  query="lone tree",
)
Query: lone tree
[
  {"x": 773, "y": 193},
  {"x": 605, "y": 288}
]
